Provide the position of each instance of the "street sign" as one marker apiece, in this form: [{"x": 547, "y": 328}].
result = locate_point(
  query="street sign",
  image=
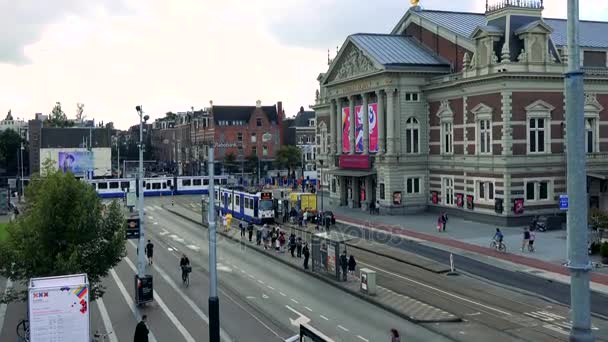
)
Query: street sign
[
  {"x": 563, "y": 202},
  {"x": 133, "y": 228}
]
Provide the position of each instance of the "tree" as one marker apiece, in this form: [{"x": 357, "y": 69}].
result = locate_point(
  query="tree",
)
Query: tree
[
  {"x": 10, "y": 145},
  {"x": 57, "y": 118},
  {"x": 80, "y": 112},
  {"x": 251, "y": 164},
  {"x": 230, "y": 163},
  {"x": 288, "y": 156},
  {"x": 63, "y": 230}
]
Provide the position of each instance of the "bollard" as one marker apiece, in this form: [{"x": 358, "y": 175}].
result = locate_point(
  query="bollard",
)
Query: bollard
[{"x": 452, "y": 271}]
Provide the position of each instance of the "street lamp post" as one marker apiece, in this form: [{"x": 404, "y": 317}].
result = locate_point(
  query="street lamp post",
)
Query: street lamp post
[
  {"x": 214, "y": 303},
  {"x": 141, "y": 258}
]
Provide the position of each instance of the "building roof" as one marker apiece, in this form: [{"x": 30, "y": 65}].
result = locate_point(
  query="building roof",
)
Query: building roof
[
  {"x": 243, "y": 113},
  {"x": 301, "y": 119},
  {"x": 592, "y": 33},
  {"x": 395, "y": 50}
]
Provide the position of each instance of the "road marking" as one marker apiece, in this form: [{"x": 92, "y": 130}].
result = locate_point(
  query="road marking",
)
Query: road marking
[
  {"x": 129, "y": 301},
  {"x": 298, "y": 321},
  {"x": 325, "y": 318},
  {"x": 155, "y": 223},
  {"x": 195, "y": 308},
  {"x": 194, "y": 248},
  {"x": 261, "y": 282},
  {"x": 243, "y": 271},
  {"x": 165, "y": 308},
  {"x": 157, "y": 207},
  {"x": 270, "y": 287},
  {"x": 250, "y": 297},
  {"x": 3, "y": 307},
  {"x": 164, "y": 232},
  {"x": 151, "y": 217},
  {"x": 439, "y": 290},
  {"x": 343, "y": 328},
  {"x": 362, "y": 338},
  {"x": 282, "y": 294},
  {"x": 307, "y": 308},
  {"x": 105, "y": 317},
  {"x": 295, "y": 301},
  {"x": 252, "y": 277}
]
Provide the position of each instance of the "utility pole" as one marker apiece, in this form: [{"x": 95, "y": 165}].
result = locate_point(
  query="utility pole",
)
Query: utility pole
[
  {"x": 578, "y": 259},
  {"x": 141, "y": 258},
  {"x": 214, "y": 302}
]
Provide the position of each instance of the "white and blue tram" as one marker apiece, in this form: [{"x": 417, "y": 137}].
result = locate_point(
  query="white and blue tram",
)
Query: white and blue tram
[
  {"x": 157, "y": 186},
  {"x": 249, "y": 205}
]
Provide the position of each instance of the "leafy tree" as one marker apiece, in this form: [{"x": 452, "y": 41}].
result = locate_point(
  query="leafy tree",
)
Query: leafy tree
[
  {"x": 288, "y": 157},
  {"x": 80, "y": 116},
  {"x": 57, "y": 118},
  {"x": 170, "y": 116},
  {"x": 251, "y": 164},
  {"x": 10, "y": 145},
  {"x": 230, "y": 164},
  {"x": 63, "y": 230}
]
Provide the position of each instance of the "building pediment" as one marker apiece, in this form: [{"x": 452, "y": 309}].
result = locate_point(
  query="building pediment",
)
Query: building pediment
[
  {"x": 592, "y": 105},
  {"x": 482, "y": 111},
  {"x": 540, "y": 106},
  {"x": 487, "y": 31},
  {"x": 351, "y": 62},
  {"x": 537, "y": 26}
]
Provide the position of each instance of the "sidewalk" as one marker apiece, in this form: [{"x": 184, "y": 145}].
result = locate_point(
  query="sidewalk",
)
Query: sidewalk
[
  {"x": 389, "y": 299},
  {"x": 472, "y": 237}
]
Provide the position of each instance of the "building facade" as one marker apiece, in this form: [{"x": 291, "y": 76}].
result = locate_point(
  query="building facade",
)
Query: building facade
[
  {"x": 304, "y": 130},
  {"x": 467, "y": 118}
]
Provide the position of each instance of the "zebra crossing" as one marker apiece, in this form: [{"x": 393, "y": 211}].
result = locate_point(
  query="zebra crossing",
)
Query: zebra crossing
[{"x": 553, "y": 321}]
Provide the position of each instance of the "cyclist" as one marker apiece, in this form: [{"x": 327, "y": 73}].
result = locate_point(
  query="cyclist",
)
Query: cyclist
[
  {"x": 498, "y": 236},
  {"x": 183, "y": 263}
]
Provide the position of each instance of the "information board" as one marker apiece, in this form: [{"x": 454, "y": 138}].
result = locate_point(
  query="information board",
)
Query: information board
[{"x": 59, "y": 309}]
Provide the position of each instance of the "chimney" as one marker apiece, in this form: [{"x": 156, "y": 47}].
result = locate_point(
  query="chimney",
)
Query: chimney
[
  {"x": 301, "y": 109},
  {"x": 280, "y": 117},
  {"x": 258, "y": 104}
]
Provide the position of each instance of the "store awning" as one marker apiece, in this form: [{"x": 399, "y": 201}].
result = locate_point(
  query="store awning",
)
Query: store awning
[
  {"x": 598, "y": 174},
  {"x": 352, "y": 173}
]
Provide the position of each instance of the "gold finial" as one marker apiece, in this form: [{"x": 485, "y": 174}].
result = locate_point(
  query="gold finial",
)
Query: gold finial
[{"x": 414, "y": 2}]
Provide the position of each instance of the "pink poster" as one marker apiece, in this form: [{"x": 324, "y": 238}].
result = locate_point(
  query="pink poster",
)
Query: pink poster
[
  {"x": 345, "y": 129},
  {"x": 373, "y": 127},
  {"x": 358, "y": 129}
]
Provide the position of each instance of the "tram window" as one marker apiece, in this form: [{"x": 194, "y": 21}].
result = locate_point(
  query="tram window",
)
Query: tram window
[
  {"x": 156, "y": 186},
  {"x": 224, "y": 181},
  {"x": 148, "y": 186},
  {"x": 186, "y": 182},
  {"x": 238, "y": 201},
  {"x": 197, "y": 182},
  {"x": 114, "y": 185},
  {"x": 124, "y": 185},
  {"x": 205, "y": 181},
  {"x": 251, "y": 203},
  {"x": 168, "y": 182},
  {"x": 216, "y": 181},
  {"x": 164, "y": 185},
  {"x": 102, "y": 186}
]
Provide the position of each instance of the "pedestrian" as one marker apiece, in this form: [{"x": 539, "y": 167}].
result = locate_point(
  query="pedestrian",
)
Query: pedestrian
[
  {"x": 292, "y": 244},
  {"x": 258, "y": 236},
  {"x": 440, "y": 223},
  {"x": 327, "y": 223},
  {"x": 352, "y": 265},
  {"x": 306, "y": 252},
  {"x": 395, "y": 336},
  {"x": 526, "y": 239},
  {"x": 141, "y": 330},
  {"x": 531, "y": 242},
  {"x": 282, "y": 241},
  {"x": 274, "y": 235},
  {"x": 149, "y": 252},
  {"x": 299, "y": 247},
  {"x": 250, "y": 230},
  {"x": 305, "y": 219},
  {"x": 242, "y": 228},
  {"x": 344, "y": 265},
  {"x": 225, "y": 222},
  {"x": 265, "y": 234},
  {"x": 444, "y": 220}
]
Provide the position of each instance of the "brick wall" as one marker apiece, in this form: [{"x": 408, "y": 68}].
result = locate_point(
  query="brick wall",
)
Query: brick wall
[{"x": 441, "y": 46}]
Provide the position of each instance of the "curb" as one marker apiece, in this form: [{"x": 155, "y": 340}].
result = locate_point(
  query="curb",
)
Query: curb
[{"x": 333, "y": 283}]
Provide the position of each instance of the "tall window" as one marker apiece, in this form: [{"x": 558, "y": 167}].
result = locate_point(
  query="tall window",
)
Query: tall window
[
  {"x": 254, "y": 150},
  {"x": 447, "y": 137},
  {"x": 590, "y": 135},
  {"x": 538, "y": 190},
  {"x": 536, "y": 129},
  {"x": 239, "y": 136},
  {"x": 253, "y": 137},
  {"x": 448, "y": 191},
  {"x": 413, "y": 186},
  {"x": 265, "y": 150},
  {"x": 485, "y": 190},
  {"x": 258, "y": 122},
  {"x": 485, "y": 136},
  {"x": 412, "y": 140}
]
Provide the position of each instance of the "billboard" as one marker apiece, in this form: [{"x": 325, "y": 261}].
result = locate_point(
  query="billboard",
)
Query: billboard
[
  {"x": 345, "y": 129},
  {"x": 76, "y": 162},
  {"x": 373, "y": 128}
]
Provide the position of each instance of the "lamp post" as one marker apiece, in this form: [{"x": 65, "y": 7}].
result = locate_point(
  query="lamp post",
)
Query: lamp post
[
  {"x": 214, "y": 303},
  {"x": 141, "y": 258}
]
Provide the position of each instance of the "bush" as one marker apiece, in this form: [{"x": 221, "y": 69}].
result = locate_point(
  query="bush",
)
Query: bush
[
  {"x": 598, "y": 218},
  {"x": 604, "y": 250}
]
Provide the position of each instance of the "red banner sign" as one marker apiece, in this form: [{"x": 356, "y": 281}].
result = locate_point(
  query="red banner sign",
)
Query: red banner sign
[{"x": 354, "y": 162}]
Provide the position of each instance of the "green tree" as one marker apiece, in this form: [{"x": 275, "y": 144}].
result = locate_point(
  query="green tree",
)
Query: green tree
[
  {"x": 63, "y": 230},
  {"x": 288, "y": 157},
  {"x": 57, "y": 118},
  {"x": 251, "y": 163},
  {"x": 10, "y": 145},
  {"x": 230, "y": 164}
]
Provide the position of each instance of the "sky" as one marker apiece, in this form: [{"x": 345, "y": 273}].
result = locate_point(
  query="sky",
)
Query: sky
[{"x": 171, "y": 55}]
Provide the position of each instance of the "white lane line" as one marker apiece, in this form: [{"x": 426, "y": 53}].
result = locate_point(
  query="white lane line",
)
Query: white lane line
[
  {"x": 295, "y": 301},
  {"x": 166, "y": 309},
  {"x": 270, "y": 287},
  {"x": 252, "y": 277},
  {"x": 362, "y": 338},
  {"x": 107, "y": 323},
  {"x": 343, "y": 328},
  {"x": 3, "y": 307},
  {"x": 224, "y": 336},
  {"x": 157, "y": 207},
  {"x": 129, "y": 301},
  {"x": 282, "y": 294},
  {"x": 243, "y": 271},
  {"x": 307, "y": 308},
  {"x": 151, "y": 217},
  {"x": 261, "y": 282},
  {"x": 155, "y": 223},
  {"x": 436, "y": 289},
  {"x": 250, "y": 297},
  {"x": 325, "y": 318}
]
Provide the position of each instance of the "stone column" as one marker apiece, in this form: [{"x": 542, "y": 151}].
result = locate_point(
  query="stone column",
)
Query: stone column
[
  {"x": 368, "y": 194},
  {"x": 390, "y": 121},
  {"x": 352, "y": 131},
  {"x": 338, "y": 120},
  {"x": 380, "y": 121},
  {"x": 332, "y": 128},
  {"x": 365, "y": 114}
]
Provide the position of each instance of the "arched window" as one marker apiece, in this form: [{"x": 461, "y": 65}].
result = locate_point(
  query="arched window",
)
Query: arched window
[{"x": 412, "y": 136}]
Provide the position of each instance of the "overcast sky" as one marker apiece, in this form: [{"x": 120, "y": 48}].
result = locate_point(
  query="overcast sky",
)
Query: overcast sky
[{"x": 169, "y": 55}]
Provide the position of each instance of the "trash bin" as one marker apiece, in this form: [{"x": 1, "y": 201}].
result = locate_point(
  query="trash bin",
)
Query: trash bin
[{"x": 368, "y": 281}]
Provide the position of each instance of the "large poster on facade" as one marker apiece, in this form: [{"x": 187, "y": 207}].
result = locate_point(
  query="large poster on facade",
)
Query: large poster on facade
[
  {"x": 345, "y": 129},
  {"x": 373, "y": 128},
  {"x": 76, "y": 162}
]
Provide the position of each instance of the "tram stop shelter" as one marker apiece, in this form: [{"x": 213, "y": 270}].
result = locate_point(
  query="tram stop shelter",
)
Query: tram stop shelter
[{"x": 326, "y": 249}]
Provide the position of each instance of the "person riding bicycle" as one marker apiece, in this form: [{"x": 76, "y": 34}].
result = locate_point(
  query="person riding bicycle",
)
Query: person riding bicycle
[
  {"x": 184, "y": 263},
  {"x": 498, "y": 236}
]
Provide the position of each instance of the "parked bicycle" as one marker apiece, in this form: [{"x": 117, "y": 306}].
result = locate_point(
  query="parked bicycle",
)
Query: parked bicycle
[
  {"x": 23, "y": 331},
  {"x": 499, "y": 246},
  {"x": 99, "y": 337}
]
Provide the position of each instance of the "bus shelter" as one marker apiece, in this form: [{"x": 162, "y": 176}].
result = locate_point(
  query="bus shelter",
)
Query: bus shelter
[{"x": 326, "y": 250}]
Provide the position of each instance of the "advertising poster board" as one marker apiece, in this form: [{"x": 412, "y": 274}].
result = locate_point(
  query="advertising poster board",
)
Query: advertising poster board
[
  {"x": 470, "y": 202},
  {"x": 459, "y": 200},
  {"x": 518, "y": 206},
  {"x": 358, "y": 129},
  {"x": 59, "y": 309},
  {"x": 76, "y": 162},
  {"x": 397, "y": 198},
  {"x": 345, "y": 129},
  {"x": 434, "y": 197},
  {"x": 373, "y": 127}
]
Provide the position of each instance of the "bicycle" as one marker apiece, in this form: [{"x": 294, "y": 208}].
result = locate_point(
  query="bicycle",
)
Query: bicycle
[
  {"x": 186, "y": 275},
  {"x": 98, "y": 337},
  {"x": 501, "y": 247},
  {"x": 23, "y": 331}
]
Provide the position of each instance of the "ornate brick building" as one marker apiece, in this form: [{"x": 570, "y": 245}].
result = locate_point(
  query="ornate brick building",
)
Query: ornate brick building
[{"x": 462, "y": 112}]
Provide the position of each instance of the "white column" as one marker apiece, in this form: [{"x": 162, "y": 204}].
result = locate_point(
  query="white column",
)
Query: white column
[
  {"x": 332, "y": 128},
  {"x": 380, "y": 122},
  {"x": 365, "y": 112},
  {"x": 390, "y": 121},
  {"x": 339, "y": 127},
  {"x": 351, "y": 133}
]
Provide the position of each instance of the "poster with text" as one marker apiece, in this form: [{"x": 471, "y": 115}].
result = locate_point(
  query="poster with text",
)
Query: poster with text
[
  {"x": 345, "y": 129},
  {"x": 373, "y": 127},
  {"x": 76, "y": 162},
  {"x": 59, "y": 314}
]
